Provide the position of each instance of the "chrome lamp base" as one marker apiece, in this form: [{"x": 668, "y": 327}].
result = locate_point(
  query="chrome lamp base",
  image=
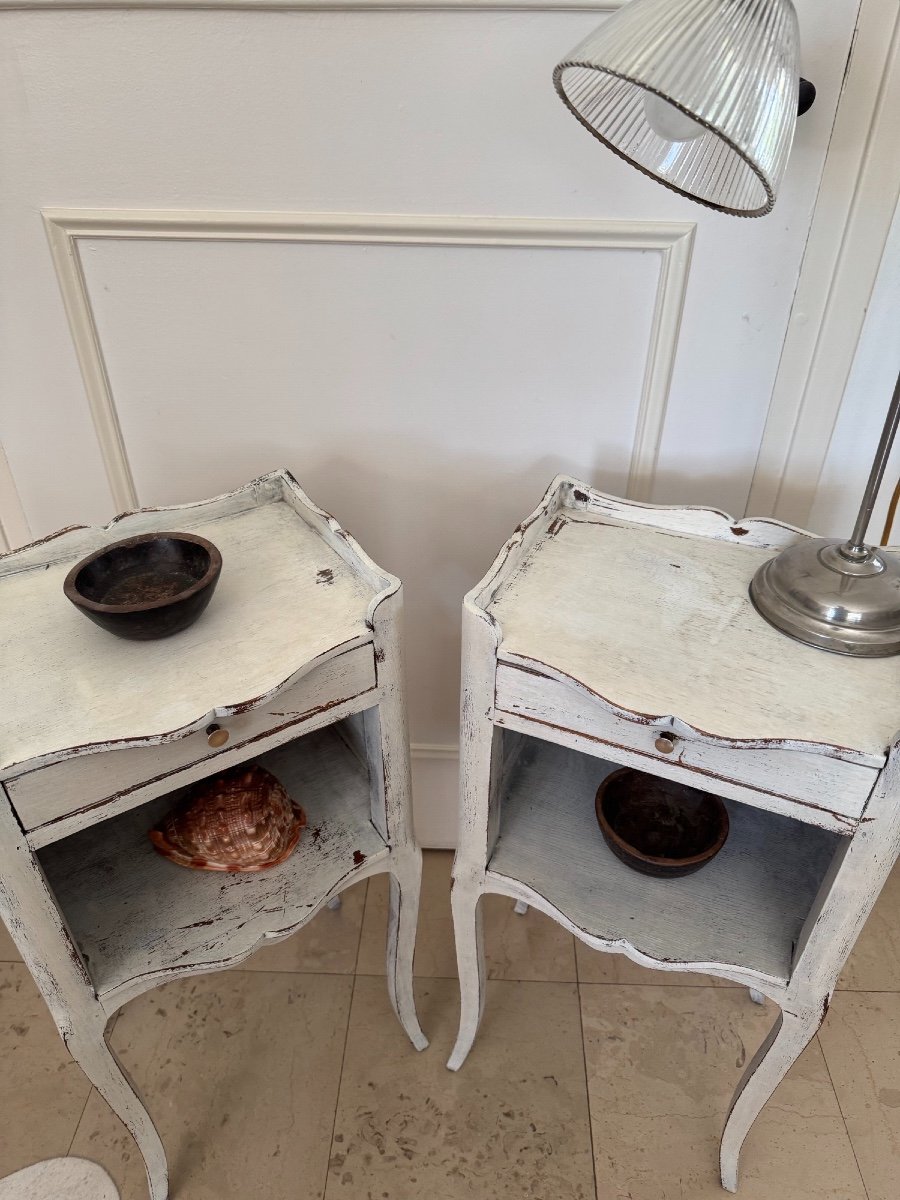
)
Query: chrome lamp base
[
  {"x": 834, "y": 595},
  {"x": 839, "y": 596}
]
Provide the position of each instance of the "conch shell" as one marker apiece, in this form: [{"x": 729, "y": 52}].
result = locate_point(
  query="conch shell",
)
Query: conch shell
[{"x": 239, "y": 820}]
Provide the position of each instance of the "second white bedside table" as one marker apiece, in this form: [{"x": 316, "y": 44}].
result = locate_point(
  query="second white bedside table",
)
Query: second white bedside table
[
  {"x": 609, "y": 633},
  {"x": 297, "y": 659}
]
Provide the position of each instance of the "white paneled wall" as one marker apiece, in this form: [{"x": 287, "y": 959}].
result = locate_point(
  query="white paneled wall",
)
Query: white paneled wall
[
  {"x": 371, "y": 245},
  {"x": 862, "y": 415}
]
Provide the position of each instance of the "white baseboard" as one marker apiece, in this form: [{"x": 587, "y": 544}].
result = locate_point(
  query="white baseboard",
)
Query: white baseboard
[{"x": 435, "y": 782}]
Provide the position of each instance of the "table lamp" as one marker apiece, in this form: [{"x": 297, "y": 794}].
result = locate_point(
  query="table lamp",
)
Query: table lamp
[{"x": 703, "y": 96}]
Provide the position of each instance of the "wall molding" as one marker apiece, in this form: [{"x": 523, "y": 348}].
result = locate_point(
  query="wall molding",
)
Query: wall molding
[
  {"x": 672, "y": 241},
  {"x": 435, "y": 750},
  {"x": 14, "y": 529},
  {"x": 319, "y": 6},
  {"x": 435, "y": 774}
]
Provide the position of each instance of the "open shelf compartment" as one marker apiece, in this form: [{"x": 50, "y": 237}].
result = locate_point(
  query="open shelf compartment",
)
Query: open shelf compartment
[
  {"x": 745, "y": 909},
  {"x": 134, "y": 913}
]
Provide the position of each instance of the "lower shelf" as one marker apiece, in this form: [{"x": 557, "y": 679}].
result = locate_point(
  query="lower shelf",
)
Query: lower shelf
[
  {"x": 134, "y": 914},
  {"x": 745, "y": 909}
]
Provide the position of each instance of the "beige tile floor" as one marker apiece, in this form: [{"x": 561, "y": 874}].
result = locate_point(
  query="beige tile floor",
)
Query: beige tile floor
[{"x": 289, "y": 1077}]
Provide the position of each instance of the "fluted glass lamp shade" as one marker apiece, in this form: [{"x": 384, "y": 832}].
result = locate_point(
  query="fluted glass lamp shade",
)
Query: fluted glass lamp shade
[{"x": 699, "y": 94}]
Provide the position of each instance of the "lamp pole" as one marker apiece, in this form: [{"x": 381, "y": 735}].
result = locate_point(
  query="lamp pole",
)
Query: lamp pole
[{"x": 856, "y": 548}]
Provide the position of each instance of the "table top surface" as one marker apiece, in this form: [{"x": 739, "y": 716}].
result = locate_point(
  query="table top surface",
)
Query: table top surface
[
  {"x": 649, "y": 610},
  {"x": 294, "y": 590}
]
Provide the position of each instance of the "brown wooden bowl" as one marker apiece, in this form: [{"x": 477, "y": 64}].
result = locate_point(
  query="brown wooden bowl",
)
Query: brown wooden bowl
[
  {"x": 148, "y": 586},
  {"x": 660, "y": 827}
]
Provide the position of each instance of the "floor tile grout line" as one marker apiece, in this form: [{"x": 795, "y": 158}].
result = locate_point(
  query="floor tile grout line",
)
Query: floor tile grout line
[
  {"x": 337, "y": 1097},
  {"x": 87, "y": 1101},
  {"x": 276, "y": 971},
  {"x": 362, "y": 925},
  {"x": 113, "y": 1022},
  {"x": 587, "y": 1089},
  {"x": 307, "y": 970},
  {"x": 455, "y": 977},
  {"x": 430, "y": 976},
  {"x": 662, "y": 982},
  {"x": 682, "y": 987},
  {"x": 867, "y": 991},
  {"x": 837, "y": 1100}
]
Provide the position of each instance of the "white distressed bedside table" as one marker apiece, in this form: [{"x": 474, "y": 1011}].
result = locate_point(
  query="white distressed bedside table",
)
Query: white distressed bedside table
[
  {"x": 609, "y": 633},
  {"x": 297, "y": 659}
]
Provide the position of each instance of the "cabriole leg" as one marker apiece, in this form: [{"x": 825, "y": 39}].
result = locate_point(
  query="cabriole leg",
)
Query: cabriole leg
[
  {"x": 106, "y": 1073},
  {"x": 387, "y": 739},
  {"x": 406, "y": 881},
  {"x": 787, "y": 1040},
  {"x": 470, "y": 959}
]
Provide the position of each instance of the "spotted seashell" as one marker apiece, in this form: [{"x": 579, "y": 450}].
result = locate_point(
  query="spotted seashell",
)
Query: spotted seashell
[{"x": 240, "y": 820}]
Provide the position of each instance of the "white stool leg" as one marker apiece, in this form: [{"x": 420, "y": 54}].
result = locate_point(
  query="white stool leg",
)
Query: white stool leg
[
  {"x": 757, "y": 997},
  {"x": 334, "y": 903},
  {"x": 787, "y": 1040},
  {"x": 521, "y": 908},
  {"x": 96, "y": 1058},
  {"x": 467, "y": 925},
  {"x": 406, "y": 879}
]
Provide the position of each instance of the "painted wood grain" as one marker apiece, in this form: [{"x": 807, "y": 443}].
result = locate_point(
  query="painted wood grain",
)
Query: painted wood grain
[
  {"x": 690, "y": 519},
  {"x": 386, "y": 735},
  {"x": 287, "y": 598},
  {"x": 846, "y": 898},
  {"x": 656, "y": 619},
  {"x": 29, "y": 910},
  {"x": 80, "y": 787},
  {"x": 298, "y": 658},
  {"x": 627, "y": 758},
  {"x": 601, "y": 624},
  {"x": 481, "y": 759},
  {"x": 770, "y": 867},
  {"x": 137, "y": 917},
  {"x": 833, "y": 791}
]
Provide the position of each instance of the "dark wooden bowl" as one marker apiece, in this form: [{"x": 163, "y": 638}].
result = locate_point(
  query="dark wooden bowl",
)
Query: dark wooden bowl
[
  {"x": 659, "y": 827},
  {"x": 148, "y": 586}
]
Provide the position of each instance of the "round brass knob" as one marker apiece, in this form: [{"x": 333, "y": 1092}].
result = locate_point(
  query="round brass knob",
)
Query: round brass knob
[
  {"x": 216, "y": 736},
  {"x": 665, "y": 743}
]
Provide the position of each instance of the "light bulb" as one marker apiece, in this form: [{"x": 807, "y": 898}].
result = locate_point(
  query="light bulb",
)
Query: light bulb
[{"x": 668, "y": 121}]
